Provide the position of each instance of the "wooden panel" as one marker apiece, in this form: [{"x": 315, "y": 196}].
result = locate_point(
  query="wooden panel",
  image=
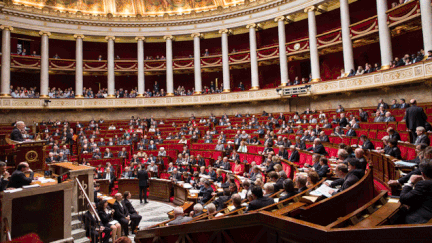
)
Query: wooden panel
[
  {"x": 160, "y": 190},
  {"x": 131, "y": 185}
]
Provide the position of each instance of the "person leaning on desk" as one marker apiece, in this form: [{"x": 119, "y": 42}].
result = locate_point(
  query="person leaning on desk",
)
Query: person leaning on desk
[{"x": 18, "y": 179}]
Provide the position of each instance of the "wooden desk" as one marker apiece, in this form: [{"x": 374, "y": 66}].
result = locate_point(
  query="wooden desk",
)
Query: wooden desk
[
  {"x": 37, "y": 175},
  {"x": 84, "y": 174},
  {"x": 44, "y": 210},
  {"x": 131, "y": 185},
  {"x": 104, "y": 186},
  {"x": 160, "y": 189},
  {"x": 180, "y": 194}
]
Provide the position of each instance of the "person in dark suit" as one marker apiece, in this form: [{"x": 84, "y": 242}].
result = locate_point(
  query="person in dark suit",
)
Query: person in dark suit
[
  {"x": 220, "y": 202},
  {"x": 18, "y": 178},
  {"x": 225, "y": 164},
  {"x": 4, "y": 175},
  {"x": 123, "y": 153},
  {"x": 283, "y": 153},
  {"x": 92, "y": 229},
  {"x": 197, "y": 210},
  {"x": 295, "y": 156},
  {"x": 135, "y": 217},
  {"x": 394, "y": 151},
  {"x": 143, "y": 183},
  {"x": 109, "y": 176},
  {"x": 422, "y": 137},
  {"x": 278, "y": 181},
  {"x": 414, "y": 117},
  {"x": 96, "y": 190},
  {"x": 121, "y": 213},
  {"x": 175, "y": 176},
  {"x": 382, "y": 104},
  {"x": 300, "y": 182},
  {"x": 324, "y": 169},
  {"x": 346, "y": 175},
  {"x": 317, "y": 147},
  {"x": 417, "y": 194},
  {"x": 343, "y": 120},
  {"x": 403, "y": 104},
  {"x": 363, "y": 115},
  {"x": 206, "y": 193},
  {"x": 367, "y": 144},
  {"x": 259, "y": 201},
  {"x": 393, "y": 134},
  {"x": 350, "y": 132},
  {"x": 16, "y": 134},
  {"x": 290, "y": 191},
  {"x": 106, "y": 216}
]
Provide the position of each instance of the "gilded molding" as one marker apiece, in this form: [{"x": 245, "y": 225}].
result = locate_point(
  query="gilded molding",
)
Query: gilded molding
[
  {"x": 168, "y": 37},
  {"x": 81, "y": 36},
  {"x": 41, "y": 33},
  {"x": 110, "y": 38},
  {"x": 140, "y": 38},
  {"x": 279, "y": 18},
  {"x": 253, "y": 25},
  {"x": 310, "y": 9},
  {"x": 193, "y": 35},
  {"x": 6, "y": 27},
  {"x": 225, "y": 31}
]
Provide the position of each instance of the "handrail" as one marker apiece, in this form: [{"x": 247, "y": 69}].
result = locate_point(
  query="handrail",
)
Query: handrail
[
  {"x": 88, "y": 200},
  {"x": 7, "y": 229}
]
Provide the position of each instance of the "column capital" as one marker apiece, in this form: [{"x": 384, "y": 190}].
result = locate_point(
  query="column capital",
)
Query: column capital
[
  {"x": 42, "y": 33},
  {"x": 6, "y": 27},
  {"x": 310, "y": 9},
  {"x": 279, "y": 18},
  {"x": 138, "y": 38},
  {"x": 81, "y": 36},
  {"x": 199, "y": 35},
  {"x": 168, "y": 37},
  {"x": 109, "y": 38},
  {"x": 225, "y": 31},
  {"x": 253, "y": 25}
]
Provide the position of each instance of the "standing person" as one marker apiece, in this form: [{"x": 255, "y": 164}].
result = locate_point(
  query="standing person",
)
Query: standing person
[
  {"x": 16, "y": 134},
  {"x": 414, "y": 117},
  {"x": 143, "y": 183}
]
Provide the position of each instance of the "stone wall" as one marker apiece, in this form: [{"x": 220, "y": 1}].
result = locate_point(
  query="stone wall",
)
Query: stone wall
[{"x": 365, "y": 98}]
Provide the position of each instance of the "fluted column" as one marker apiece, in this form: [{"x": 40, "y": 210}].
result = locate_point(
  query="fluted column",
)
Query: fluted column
[
  {"x": 79, "y": 66},
  {"x": 253, "y": 56},
  {"x": 110, "y": 60},
  {"x": 44, "y": 73},
  {"x": 346, "y": 37},
  {"x": 197, "y": 62},
  {"x": 169, "y": 66},
  {"x": 426, "y": 18},
  {"x": 141, "y": 76},
  {"x": 283, "y": 63},
  {"x": 384, "y": 35},
  {"x": 5, "y": 61},
  {"x": 225, "y": 60},
  {"x": 313, "y": 48}
]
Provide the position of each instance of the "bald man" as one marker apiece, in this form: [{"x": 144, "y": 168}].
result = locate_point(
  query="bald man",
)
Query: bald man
[
  {"x": 121, "y": 213},
  {"x": 18, "y": 177}
]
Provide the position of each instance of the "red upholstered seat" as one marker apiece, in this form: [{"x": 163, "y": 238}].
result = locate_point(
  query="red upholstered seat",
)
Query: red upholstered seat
[
  {"x": 372, "y": 134},
  {"x": 381, "y": 134}
]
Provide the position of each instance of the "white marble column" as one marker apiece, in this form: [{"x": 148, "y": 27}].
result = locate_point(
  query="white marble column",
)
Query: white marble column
[
  {"x": 283, "y": 63},
  {"x": 426, "y": 18},
  {"x": 253, "y": 56},
  {"x": 5, "y": 61},
  {"x": 346, "y": 38},
  {"x": 384, "y": 35},
  {"x": 169, "y": 66},
  {"x": 225, "y": 60},
  {"x": 44, "y": 73},
  {"x": 79, "y": 66},
  {"x": 313, "y": 44},
  {"x": 197, "y": 62},
  {"x": 141, "y": 77},
  {"x": 110, "y": 60}
]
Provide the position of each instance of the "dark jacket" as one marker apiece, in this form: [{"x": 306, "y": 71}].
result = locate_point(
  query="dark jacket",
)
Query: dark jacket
[
  {"x": 367, "y": 145},
  {"x": 206, "y": 194},
  {"x": 16, "y": 135},
  {"x": 120, "y": 212},
  {"x": 143, "y": 178},
  {"x": 415, "y": 117},
  {"x": 349, "y": 180},
  {"x": 419, "y": 199},
  {"x": 318, "y": 149},
  {"x": 18, "y": 179},
  {"x": 129, "y": 206},
  {"x": 295, "y": 156},
  {"x": 260, "y": 203}
]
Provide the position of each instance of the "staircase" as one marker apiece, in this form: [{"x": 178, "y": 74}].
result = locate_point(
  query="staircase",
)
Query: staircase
[{"x": 78, "y": 230}]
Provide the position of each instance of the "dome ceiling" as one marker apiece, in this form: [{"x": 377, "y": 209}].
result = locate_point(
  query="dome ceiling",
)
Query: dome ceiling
[{"x": 130, "y": 7}]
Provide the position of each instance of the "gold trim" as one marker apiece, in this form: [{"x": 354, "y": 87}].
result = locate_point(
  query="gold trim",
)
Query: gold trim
[
  {"x": 255, "y": 88},
  {"x": 5, "y": 95},
  {"x": 6, "y": 27},
  {"x": 41, "y": 33},
  {"x": 31, "y": 156},
  {"x": 279, "y": 18},
  {"x": 79, "y": 96},
  {"x": 283, "y": 85},
  {"x": 140, "y": 95},
  {"x": 81, "y": 36},
  {"x": 226, "y": 91},
  {"x": 227, "y": 31},
  {"x": 310, "y": 9},
  {"x": 140, "y": 38},
  {"x": 169, "y": 94},
  {"x": 109, "y": 37},
  {"x": 110, "y": 96},
  {"x": 166, "y": 37},
  {"x": 385, "y": 67},
  {"x": 197, "y": 92},
  {"x": 315, "y": 80},
  {"x": 199, "y": 35},
  {"x": 43, "y": 96}
]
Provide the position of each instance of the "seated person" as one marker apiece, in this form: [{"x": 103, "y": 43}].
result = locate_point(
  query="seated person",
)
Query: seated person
[
  {"x": 346, "y": 175},
  {"x": 259, "y": 201},
  {"x": 300, "y": 182},
  {"x": 18, "y": 178},
  {"x": 317, "y": 147},
  {"x": 179, "y": 217},
  {"x": 134, "y": 216},
  {"x": 312, "y": 178},
  {"x": 268, "y": 189},
  {"x": 162, "y": 152},
  {"x": 220, "y": 202},
  {"x": 394, "y": 151},
  {"x": 367, "y": 144},
  {"x": 417, "y": 194},
  {"x": 206, "y": 194},
  {"x": 236, "y": 200},
  {"x": 91, "y": 226},
  {"x": 290, "y": 191},
  {"x": 197, "y": 210}
]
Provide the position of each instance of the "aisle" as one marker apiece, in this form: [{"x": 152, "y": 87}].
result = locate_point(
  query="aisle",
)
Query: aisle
[{"x": 152, "y": 213}]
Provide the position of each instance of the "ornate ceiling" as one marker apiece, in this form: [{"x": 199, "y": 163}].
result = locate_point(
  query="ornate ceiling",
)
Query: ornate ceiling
[{"x": 130, "y": 7}]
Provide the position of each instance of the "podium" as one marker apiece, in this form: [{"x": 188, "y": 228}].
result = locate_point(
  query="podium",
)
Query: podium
[
  {"x": 180, "y": 194},
  {"x": 85, "y": 176},
  {"x": 32, "y": 152},
  {"x": 160, "y": 189}
]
